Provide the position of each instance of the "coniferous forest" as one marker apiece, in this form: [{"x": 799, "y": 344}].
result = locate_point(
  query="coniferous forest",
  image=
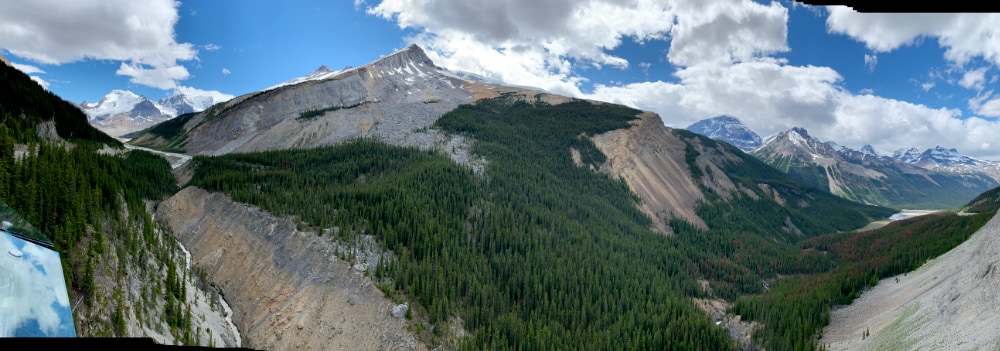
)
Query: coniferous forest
[
  {"x": 534, "y": 253},
  {"x": 85, "y": 194},
  {"x": 538, "y": 253}
]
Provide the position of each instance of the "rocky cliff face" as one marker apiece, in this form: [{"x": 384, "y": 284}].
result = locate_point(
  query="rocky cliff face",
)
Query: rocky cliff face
[
  {"x": 286, "y": 288},
  {"x": 393, "y": 99},
  {"x": 651, "y": 161}
]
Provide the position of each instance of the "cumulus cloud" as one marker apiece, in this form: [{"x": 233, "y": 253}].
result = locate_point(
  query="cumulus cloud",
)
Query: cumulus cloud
[
  {"x": 723, "y": 53},
  {"x": 963, "y": 36},
  {"x": 215, "y": 94},
  {"x": 211, "y": 47},
  {"x": 767, "y": 96},
  {"x": 140, "y": 34},
  {"x": 990, "y": 108},
  {"x": 559, "y": 28},
  {"x": 226, "y": 71},
  {"x": 544, "y": 44},
  {"x": 974, "y": 79}
]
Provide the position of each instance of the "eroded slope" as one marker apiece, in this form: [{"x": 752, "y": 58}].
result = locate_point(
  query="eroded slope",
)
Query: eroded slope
[
  {"x": 651, "y": 161},
  {"x": 286, "y": 288}
]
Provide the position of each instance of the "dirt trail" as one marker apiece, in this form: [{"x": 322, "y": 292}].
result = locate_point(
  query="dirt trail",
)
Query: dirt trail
[{"x": 950, "y": 303}]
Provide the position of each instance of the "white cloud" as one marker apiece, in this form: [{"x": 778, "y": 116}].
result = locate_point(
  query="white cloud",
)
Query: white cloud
[
  {"x": 726, "y": 31},
  {"x": 870, "y": 62},
  {"x": 867, "y": 91},
  {"x": 556, "y": 29},
  {"x": 543, "y": 44},
  {"x": 721, "y": 49},
  {"x": 40, "y": 81},
  {"x": 990, "y": 108},
  {"x": 138, "y": 33},
  {"x": 226, "y": 71},
  {"x": 162, "y": 77},
  {"x": 770, "y": 97},
  {"x": 215, "y": 94},
  {"x": 27, "y": 69},
  {"x": 963, "y": 36},
  {"x": 974, "y": 79},
  {"x": 211, "y": 47}
]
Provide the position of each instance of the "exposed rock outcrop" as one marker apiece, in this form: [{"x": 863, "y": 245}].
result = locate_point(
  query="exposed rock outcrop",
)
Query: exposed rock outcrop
[
  {"x": 286, "y": 288},
  {"x": 651, "y": 161}
]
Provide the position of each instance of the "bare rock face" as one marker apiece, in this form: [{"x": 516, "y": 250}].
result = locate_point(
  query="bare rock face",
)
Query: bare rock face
[
  {"x": 651, "y": 161},
  {"x": 392, "y": 99},
  {"x": 286, "y": 288}
]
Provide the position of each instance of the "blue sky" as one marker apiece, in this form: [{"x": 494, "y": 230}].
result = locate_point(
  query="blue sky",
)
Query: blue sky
[{"x": 890, "y": 80}]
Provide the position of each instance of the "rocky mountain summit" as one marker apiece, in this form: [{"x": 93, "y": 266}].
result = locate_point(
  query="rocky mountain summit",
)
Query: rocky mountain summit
[
  {"x": 393, "y": 99},
  {"x": 866, "y": 176},
  {"x": 729, "y": 129}
]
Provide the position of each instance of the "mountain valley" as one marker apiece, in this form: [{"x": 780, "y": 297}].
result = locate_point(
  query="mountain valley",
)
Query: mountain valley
[{"x": 401, "y": 205}]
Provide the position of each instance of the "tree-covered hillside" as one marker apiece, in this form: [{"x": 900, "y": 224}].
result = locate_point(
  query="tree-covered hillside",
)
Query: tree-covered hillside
[
  {"x": 91, "y": 205},
  {"x": 24, "y": 105},
  {"x": 537, "y": 253},
  {"x": 796, "y": 309}
]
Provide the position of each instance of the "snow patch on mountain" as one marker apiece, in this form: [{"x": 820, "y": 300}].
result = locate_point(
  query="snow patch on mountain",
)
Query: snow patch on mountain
[
  {"x": 321, "y": 73},
  {"x": 729, "y": 129},
  {"x": 116, "y": 102}
]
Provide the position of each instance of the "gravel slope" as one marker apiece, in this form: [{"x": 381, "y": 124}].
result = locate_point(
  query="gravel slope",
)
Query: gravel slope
[{"x": 950, "y": 303}]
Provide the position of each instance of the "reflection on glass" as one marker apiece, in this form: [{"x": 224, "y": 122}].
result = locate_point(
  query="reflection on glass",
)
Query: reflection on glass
[{"x": 33, "y": 298}]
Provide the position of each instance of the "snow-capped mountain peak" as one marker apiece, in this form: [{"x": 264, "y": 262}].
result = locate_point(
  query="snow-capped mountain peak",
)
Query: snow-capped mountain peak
[
  {"x": 321, "y": 73},
  {"x": 115, "y": 102},
  {"x": 911, "y": 155},
  {"x": 122, "y": 111},
  {"x": 869, "y": 150},
  {"x": 728, "y": 129}
]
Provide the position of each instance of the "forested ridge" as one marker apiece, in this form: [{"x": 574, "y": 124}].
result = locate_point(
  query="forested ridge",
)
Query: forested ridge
[
  {"x": 88, "y": 200},
  {"x": 796, "y": 308},
  {"x": 24, "y": 104},
  {"x": 537, "y": 254}
]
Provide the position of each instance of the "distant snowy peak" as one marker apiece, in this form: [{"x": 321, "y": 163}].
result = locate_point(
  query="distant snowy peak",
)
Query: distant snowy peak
[
  {"x": 115, "y": 102},
  {"x": 797, "y": 141},
  {"x": 911, "y": 155},
  {"x": 870, "y": 151},
  {"x": 124, "y": 102},
  {"x": 321, "y": 73},
  {"x": 728, "y": 129},
  {"x": 937, "y": 157},
  {"x": 183, "y": 103}
]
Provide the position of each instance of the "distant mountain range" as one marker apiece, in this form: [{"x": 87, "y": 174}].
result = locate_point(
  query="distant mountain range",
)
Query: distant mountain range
[
  {"x": 934, "y": 178},
  {"x": 122, "y": 111}
]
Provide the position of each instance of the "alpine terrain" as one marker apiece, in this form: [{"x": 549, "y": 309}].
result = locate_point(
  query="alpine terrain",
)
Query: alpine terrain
[
  {"x": 400, "y": 205},
  {"x": 866, "y": 176},
  {"x": 728, "y": 129},
  {"x": 121, "y": 112}
]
